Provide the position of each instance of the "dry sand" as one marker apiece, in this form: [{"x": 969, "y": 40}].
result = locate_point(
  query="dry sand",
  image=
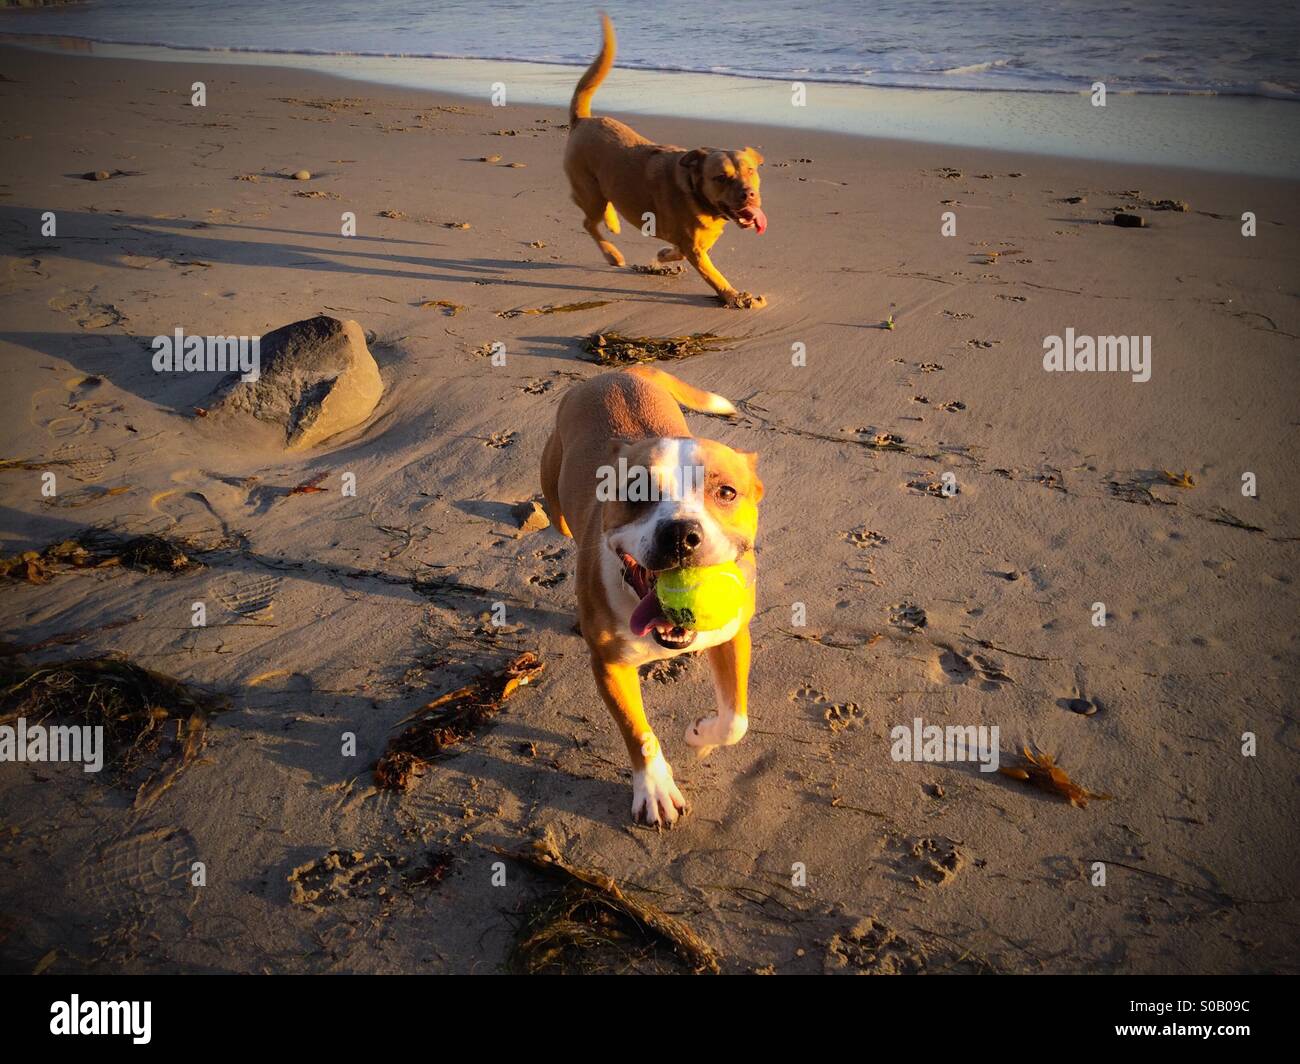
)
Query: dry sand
[{"x": 1059, "y": 484}]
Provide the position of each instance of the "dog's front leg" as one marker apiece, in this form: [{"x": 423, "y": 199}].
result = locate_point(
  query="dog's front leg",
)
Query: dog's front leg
[
  {"x": 729, "y": 664},
  {"x": 699, "y": 258},
  {"x": 655, "y": 798}
]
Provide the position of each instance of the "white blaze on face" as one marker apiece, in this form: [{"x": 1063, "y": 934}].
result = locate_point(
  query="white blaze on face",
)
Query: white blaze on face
[{"x": 678, "y": 474}]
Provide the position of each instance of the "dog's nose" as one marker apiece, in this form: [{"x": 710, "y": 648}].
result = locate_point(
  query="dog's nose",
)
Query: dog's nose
[{"x": 678, "y": 540}]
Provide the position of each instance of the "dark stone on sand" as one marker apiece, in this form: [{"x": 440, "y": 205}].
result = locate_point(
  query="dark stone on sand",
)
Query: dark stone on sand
[
  {"x": 1130, "y": 221},
  {"x": 317, "y": 379},
  {"x": 530, "y": 516}
]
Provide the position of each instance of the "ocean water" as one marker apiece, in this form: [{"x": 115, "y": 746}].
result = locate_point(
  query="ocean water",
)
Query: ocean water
[{"x": 1226, "y": 47}]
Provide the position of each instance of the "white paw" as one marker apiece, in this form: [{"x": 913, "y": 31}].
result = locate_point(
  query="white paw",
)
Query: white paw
[
  {"x": 656, "y": 801},
  {"x": 716, "y": 730}
]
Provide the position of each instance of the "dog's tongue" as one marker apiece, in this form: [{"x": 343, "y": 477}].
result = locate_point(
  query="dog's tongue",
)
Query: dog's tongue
[
  {"x": 755, "y": 215},
  {"x": 647, "y": 614}
]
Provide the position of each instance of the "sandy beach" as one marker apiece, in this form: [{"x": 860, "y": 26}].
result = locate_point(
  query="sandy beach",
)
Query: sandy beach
[{"x": 332, "y": 614}]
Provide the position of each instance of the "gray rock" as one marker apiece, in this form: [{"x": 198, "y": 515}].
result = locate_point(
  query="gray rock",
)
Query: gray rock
[{"x": 318, "y": 378}]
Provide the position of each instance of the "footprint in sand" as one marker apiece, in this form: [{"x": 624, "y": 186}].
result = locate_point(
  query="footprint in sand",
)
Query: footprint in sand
[
  {"x": 249, "y": 596},
  {"x": 86, "y": 462},
  {"x": 929, "y": 862},
  {"x": 87, "y": 312},
  {"x": 864, "y": 537},
  {"x": 953, "y": 667},
  {"x": 72, "y": 410},
  {"x": 837, "y": 715},
  {"x": 140, "y": 873},
  {"x": 907, "y": 616}
]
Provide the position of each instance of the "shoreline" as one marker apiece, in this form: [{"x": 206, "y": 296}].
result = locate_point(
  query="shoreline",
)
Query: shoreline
[{"x": 1230, "y": 134}]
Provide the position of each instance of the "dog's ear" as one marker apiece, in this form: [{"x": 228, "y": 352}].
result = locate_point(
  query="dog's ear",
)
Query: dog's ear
[
  {"x": 693, "y": 161},
  {"x": 754, "y": 156}
]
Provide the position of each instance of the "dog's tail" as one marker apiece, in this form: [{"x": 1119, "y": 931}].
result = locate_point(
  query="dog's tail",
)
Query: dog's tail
[
  {"x": 688, "y": 396},
  {"x": 580, "y": 105}
]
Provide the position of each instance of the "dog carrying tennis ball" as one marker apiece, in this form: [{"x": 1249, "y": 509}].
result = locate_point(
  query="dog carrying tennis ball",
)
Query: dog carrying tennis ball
[{"x": 703, "y": 599}]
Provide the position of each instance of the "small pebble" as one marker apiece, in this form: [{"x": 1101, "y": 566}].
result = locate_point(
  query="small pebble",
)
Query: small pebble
[
  {"x": 1083, "y": 707},
  {"x": 1130, "y": 221},
  {"x": 302, "y": 175}
]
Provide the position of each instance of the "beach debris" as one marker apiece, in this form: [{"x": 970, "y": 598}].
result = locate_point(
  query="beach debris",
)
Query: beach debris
[
  {"x": 396, "y": 215},
  {"x": 1085, "y": 707},
  {"x": 615, "y": 349},
  {"x": 154, "y": 725},
  {"x": 455, "y": 225},
  {"x": 148, "y": 554},
  {"x": 1041, "y": 771},
  {"x": 537, "y": 243},
  {"x": 529, "y": 516},
  {"x": 516, "y": 166},
  {"x": 489, "y": 158},
  {"x": 1130, "y": 221},
  {"x": 556, "y": 308},
  {"x": 1075, "y": 199},
  {"x": 449, "y": 720},
  {"x": 888, "y": 323},
  {"x": 448, "y": 308},
  {"x": 302, "y": 175},
  {"x": 318, "y": 378},
  {"x": 590, "y": 925},
  {"x": 104, "y": 175},
  {"x": 1219, "y": 516},
  {"x": 311, "y": 486},
  {"x": 1135, "y": 492},
  {"x": 1178, "y": 480},
  {"x": 1181, "y": 206}
]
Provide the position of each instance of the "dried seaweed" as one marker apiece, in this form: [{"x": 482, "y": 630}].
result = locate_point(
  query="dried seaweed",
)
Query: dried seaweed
[
  {"x": 591, "y": 926},
  {"x": 148, "y": 554},
  {"x": 615, "y": 349},
  {"x": 1219, "y": 516},
  {"x": 1042, "y": 771},
  {"x": 449, "y": 720},
  {"x": 556, "y": 308},
  {"x": 154, "y": 725}
]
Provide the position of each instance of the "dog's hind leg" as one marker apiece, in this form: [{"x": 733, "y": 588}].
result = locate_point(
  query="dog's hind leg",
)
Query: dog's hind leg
[
  {"x": 597, "y": 209},
  {"x": 552, "y": 456}
]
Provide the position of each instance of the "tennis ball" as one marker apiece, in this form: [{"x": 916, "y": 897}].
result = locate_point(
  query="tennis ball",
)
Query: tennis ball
[{"x": 703, "y": 599}]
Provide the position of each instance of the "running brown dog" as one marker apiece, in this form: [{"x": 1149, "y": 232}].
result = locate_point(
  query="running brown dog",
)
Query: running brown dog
[
  {"x": 685, "y": 197},
  {"x": 703, "y": 511}
]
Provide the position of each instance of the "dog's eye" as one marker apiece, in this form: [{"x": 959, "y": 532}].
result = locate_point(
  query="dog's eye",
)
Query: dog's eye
[{"x": 727, "y": 493}]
